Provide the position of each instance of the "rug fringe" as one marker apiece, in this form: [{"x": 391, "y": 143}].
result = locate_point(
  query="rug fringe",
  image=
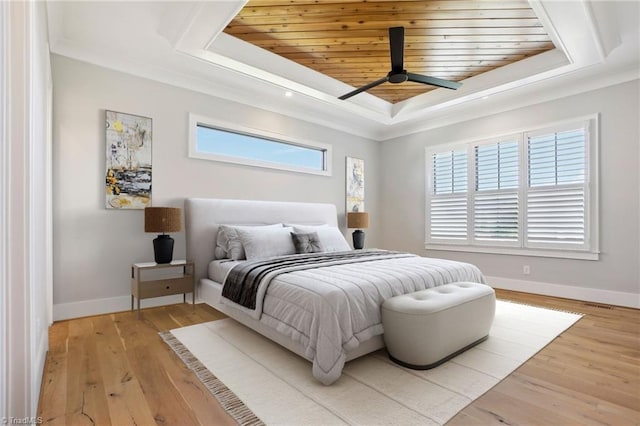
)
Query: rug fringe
[
  {"x": 229, "y": 400},
  {"x": 582, "y": 314}
]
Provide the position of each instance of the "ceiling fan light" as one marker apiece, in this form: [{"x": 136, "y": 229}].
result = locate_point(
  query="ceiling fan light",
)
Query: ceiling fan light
[
  {"x": 399, "y": 77},
  {"x": 398, "y": 74}
]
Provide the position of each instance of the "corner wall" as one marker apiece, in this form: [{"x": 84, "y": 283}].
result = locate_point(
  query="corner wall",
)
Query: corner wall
[
  {"x": 24, "y": 207},
  {"x": 615, "y": 278},
  {"x": 94, "y": 247}
]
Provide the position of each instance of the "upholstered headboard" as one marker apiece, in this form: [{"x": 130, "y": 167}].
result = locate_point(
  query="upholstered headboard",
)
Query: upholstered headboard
[{"x": 203, "y": 215}]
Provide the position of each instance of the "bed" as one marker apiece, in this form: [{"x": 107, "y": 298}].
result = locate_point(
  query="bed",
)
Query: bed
[{"x": 328, "y": 315}]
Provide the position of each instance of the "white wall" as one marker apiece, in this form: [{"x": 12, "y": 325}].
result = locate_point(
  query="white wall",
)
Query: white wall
[
  {"x": 24, "y": 197},
  {"x": 615, "y": 278},
  {"x": 94, "y": 247}
]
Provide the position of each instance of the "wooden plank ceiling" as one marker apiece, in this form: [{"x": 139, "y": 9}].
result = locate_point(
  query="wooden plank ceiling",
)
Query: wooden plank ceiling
[{"x": 348, "y": 40}]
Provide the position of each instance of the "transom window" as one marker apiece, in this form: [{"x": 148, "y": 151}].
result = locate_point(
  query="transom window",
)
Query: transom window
[
  {"x": 213, "y": 140},
  {"x": 529, "y": 193}
]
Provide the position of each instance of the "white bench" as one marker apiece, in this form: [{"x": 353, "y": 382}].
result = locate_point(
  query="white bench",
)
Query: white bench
[{"x": 426, "y": 328}]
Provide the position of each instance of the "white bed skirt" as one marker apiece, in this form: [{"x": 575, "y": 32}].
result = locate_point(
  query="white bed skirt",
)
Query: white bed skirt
[{"x": 210, "y": 292}]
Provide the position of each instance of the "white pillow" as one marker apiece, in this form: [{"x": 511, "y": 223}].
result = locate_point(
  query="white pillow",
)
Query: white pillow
[
  {"x": 306, "y": 228},
  {"x": 330, "y": 236},
  {"x": 228, "y": 244},
  {"x": 260, "y": 243}
]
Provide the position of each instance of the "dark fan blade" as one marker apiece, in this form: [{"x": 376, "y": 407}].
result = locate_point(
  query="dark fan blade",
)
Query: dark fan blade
[
  {"x": 364, "y": 88},
  {"x": 396, "y": 47},
  {"x": 433, "y": 81}
]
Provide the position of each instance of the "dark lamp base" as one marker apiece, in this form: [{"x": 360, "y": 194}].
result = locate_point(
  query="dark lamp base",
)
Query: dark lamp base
[
  {"x": 163, "y": 249},
  {"x": 358, "y": 239}
]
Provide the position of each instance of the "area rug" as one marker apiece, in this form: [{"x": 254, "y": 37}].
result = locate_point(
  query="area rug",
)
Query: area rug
[{"x": 258, "y": 381}]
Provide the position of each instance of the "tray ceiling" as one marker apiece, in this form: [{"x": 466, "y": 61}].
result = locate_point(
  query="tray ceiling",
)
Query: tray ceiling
[
  {"x": 571, "y": 46},
  {"x": 348, "y": 40}
]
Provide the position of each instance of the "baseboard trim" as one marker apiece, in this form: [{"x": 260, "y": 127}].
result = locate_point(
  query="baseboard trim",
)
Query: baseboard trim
[
  {"x": 85, "y": 308},
  {"x": 618, "y": 298}
]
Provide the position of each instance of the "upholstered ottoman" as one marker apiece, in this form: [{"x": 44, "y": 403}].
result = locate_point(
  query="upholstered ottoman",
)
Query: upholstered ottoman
[{"x": 426, "y": 328}]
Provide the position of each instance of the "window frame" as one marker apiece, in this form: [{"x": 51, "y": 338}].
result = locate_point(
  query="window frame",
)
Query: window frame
[
  {"x": 196, "y": 121},
  {"x": 591, "y": 123}
]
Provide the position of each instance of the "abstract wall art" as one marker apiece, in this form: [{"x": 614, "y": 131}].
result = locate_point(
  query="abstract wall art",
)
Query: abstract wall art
[
  {"x": 355, "y": 185},
  {"x": 128, "y": 171}
]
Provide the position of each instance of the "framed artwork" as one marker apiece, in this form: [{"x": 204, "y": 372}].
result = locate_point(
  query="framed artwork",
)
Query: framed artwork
[
  {"x": 355, "y": 185},
  {"x": 128, "y": 171}
]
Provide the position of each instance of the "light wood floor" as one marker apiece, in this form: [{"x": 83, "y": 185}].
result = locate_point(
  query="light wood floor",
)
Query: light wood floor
[{"x": 114, "y": 369}]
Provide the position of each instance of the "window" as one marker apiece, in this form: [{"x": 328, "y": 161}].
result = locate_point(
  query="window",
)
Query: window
[
  {"x": 529, "y": 193},
  {"x": 213, "y": 140},
  {"x": 449, "y": 207},
  {"x": 495, "y": 195},
  {"x": 556, "y": 213}
]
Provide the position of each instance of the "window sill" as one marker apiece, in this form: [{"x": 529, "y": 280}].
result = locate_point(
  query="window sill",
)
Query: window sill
[{"x": 562, "y": 254}]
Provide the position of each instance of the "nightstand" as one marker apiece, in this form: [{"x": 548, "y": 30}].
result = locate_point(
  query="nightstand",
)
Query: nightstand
[{"x": 181, "y": 281}]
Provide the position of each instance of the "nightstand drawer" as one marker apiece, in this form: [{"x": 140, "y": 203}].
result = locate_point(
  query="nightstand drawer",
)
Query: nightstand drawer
[
  {"x": 165, "y": 287},
  {"x": 182, "y": 283}
]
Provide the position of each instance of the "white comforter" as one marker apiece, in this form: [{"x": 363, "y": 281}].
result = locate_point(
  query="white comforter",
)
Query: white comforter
[{"x": 330, "y": 310}]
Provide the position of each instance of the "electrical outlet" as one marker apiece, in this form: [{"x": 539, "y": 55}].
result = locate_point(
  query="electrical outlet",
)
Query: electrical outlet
[{"x": 526, "y": 270}]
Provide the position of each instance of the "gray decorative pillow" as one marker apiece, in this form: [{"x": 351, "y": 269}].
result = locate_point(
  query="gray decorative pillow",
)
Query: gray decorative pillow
[
  {"x": 222, "y": 244},
  {"x": 307, "y": 243},
  {"x": 330, "y": 236},
  {"x": 228, "y": 244}
]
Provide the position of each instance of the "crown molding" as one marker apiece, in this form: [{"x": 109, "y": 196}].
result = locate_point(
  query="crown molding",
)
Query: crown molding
[{"x": 509, "y": 101}]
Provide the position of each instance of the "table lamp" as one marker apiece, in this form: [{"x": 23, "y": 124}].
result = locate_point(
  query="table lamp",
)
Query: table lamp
[
  {"x": 162, "y": 219},
  {"x": 358, "y": 220}
]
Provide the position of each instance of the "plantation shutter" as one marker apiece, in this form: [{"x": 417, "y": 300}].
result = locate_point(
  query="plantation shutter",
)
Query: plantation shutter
[
  {"x": 531, "y": 192},
  {"x": 448, "y": 201},
  {"x": 556, "y": 203},
  {"x": 495, "y": 204}
]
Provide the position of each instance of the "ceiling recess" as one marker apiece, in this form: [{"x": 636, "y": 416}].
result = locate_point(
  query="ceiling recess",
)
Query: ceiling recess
[{"x": 348, "y": 40}]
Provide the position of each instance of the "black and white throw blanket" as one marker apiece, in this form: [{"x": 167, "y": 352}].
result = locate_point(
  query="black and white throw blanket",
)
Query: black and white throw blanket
[{"x": 330, "y": 302}]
